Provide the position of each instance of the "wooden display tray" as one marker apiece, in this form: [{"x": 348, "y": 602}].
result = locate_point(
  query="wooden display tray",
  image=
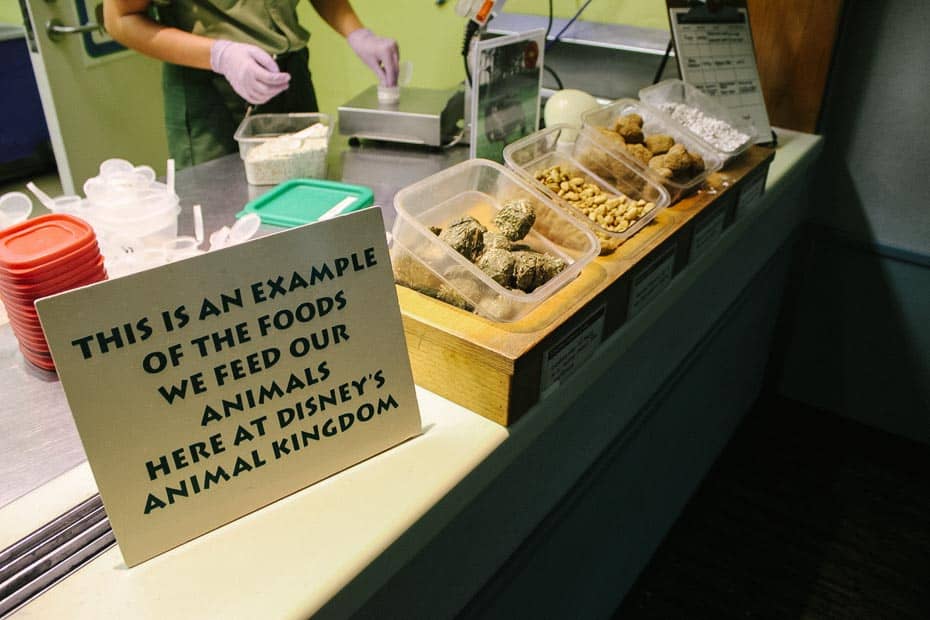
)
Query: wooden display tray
[{"x": 500, "y": 370}]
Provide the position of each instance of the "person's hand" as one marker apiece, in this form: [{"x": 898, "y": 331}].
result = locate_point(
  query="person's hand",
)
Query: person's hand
[
  {"x": 250, "y": 70},
  {"x": 379, "y": 53}
]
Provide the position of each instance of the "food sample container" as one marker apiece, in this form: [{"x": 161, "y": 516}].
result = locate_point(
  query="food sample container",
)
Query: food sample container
[
  {"x": 614, "y": 176},
  {"x": 654, "y": 122},
  {"x": 290, "y": 149},
  {"x": 479, "y": 188},
  {"x": 714, "y": 124},
  {"x": 153, "y": 229}
]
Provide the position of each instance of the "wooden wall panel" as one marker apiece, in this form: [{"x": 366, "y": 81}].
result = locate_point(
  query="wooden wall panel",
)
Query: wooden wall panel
[{"x": 794, "y": 41}]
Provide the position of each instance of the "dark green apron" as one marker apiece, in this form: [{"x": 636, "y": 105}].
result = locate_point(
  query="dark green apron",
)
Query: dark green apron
[{"x": 202, "y": 111}]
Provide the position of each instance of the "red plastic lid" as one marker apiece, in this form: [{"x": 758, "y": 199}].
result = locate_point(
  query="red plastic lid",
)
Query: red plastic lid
[
  {"x": 40, "y": 352},
  {"x": 28, "y": 336},
  {"x": 42, "y": 239},
  {"x": 23, "y": 314},
  {"x": 84, "y": 254},
  {"x": 39, "y": 361},
  {"x": 23, "y": 309},
  {"x": 63, "y": 282}
]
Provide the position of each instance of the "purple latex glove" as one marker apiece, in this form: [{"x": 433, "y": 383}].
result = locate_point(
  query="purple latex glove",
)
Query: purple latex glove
[
  {"x": 250, "y": 70},
  {"x": 379, "y": 53}
]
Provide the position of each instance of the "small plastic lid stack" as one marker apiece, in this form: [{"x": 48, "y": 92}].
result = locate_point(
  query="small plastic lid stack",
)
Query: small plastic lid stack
[{"x": 40, "y": 257}]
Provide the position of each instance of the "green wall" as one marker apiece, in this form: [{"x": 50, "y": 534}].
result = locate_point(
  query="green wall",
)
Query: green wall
[
  {"x": 9, "y": 13},
  {"x": 430, "y": 36},
  {"x": 643, "y": 13}
]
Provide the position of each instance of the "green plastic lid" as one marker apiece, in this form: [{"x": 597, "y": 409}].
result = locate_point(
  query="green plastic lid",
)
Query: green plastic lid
[{"x": 301, "y": 201}]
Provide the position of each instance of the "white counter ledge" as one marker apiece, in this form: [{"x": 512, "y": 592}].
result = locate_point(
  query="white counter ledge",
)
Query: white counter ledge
[{"x": 425, "y": 526}]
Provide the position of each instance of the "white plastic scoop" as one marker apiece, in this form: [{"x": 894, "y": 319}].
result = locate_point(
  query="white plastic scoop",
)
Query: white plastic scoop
[{"x": 44, "y": 198}]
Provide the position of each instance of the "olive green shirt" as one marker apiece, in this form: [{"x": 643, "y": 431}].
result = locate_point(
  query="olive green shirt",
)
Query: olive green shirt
[{"x": 269, "y": 24}]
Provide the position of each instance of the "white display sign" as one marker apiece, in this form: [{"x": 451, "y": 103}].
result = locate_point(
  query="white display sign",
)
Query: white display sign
[{"x": 208, "y": 388}]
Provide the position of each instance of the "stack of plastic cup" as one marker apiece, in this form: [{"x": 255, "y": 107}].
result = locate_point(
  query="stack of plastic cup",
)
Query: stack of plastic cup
[
  {"x": 127, "y": 200},
  {"x": 40, "y": 257}
]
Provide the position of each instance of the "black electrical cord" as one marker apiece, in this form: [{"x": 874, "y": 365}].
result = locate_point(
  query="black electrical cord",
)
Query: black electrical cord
[
  {"x": 557, "y": 37},
  {"x": 555, "y": 76},
  {"x": 661, "y": 69},
  {"x": 471, "y": 29},
  {"x": 549, "y": 25}
]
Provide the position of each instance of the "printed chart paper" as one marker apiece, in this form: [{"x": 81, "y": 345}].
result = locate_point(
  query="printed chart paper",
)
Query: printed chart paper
[
  {"x": 211, "y": 387},
  {"x": 715, "y": 54}
]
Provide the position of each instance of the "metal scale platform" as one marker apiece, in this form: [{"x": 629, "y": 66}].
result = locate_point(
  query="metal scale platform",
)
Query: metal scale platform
[{"x": 424, "y": 116}]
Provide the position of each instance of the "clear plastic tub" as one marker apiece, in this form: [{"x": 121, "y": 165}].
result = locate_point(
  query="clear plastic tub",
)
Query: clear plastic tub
[
  {"x": 152, "y": 230},
  {"x": 719, "y": 125},
  {"x": 654, "y": 122},
  {"x": 613, "y": 175},
  {"x": 298, "y": 158},
  {"x": 478, "y": 188}
]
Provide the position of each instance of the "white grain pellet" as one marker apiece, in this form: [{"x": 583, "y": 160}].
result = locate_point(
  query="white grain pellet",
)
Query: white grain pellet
[{"x": 721, "y": 135}]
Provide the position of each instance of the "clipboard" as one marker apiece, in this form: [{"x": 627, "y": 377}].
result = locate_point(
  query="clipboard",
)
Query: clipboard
[{"x": 715, "y": 53}]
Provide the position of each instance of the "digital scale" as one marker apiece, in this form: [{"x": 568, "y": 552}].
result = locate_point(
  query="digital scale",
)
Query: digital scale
[{"x": 424, "y": 116}]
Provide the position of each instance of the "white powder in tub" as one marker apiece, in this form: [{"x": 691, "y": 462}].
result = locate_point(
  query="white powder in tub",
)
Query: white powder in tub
[
  {"x": 301, "y": 154},
  {"x": 721, "y": 135}
]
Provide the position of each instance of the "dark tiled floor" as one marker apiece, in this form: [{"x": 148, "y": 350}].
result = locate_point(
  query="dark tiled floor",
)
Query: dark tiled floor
[{"x": 805, "y": 515}]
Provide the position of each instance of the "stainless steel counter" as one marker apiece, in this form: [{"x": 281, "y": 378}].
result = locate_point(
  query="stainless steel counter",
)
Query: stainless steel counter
[
  {"x": 519, "y": 521},
  {"x": 38, "y": 439},
  {"x": 220, "y": 188}
]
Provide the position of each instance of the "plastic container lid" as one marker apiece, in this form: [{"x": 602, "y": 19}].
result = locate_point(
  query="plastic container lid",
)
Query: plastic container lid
[
  {"x": 29, "y": 330},
  {"x": 38, "y": 351},
  {"x": 42, "y": 362},
  {"x": 302, "y": 201},
  {"x": 35, "y": 351},
  {"x": 42, "y": 240},
  {"x": 85, "y": 255},
  {"x": 64, "y": 281}
]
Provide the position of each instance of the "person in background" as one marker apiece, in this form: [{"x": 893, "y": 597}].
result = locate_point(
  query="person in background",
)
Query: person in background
[{"x": 224, "y": 59}]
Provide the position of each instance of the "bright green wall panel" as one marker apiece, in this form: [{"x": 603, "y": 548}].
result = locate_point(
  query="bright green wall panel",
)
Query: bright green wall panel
[
  {"x": 643, "y": 13},
  {"x": 430, "y": 36},
  {"x": 9, "y": 13}
]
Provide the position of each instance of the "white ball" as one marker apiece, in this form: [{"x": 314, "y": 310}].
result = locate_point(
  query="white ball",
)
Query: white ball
[{"x": 567, "y": 106}]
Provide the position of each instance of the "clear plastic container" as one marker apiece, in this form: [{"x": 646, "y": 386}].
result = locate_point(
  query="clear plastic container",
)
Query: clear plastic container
[
  {"x": 300, "y": 158},
  {"x": 478, "y": 188},
  {"x": 654, "y": 122},
  {"x": 671, "y": 92},
  {"x": 152, "y": 230},
  {"x": 594, "y": 163}
]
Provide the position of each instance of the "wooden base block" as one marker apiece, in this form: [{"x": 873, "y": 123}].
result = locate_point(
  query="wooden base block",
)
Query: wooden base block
[{"x": 500, "y": 370}]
